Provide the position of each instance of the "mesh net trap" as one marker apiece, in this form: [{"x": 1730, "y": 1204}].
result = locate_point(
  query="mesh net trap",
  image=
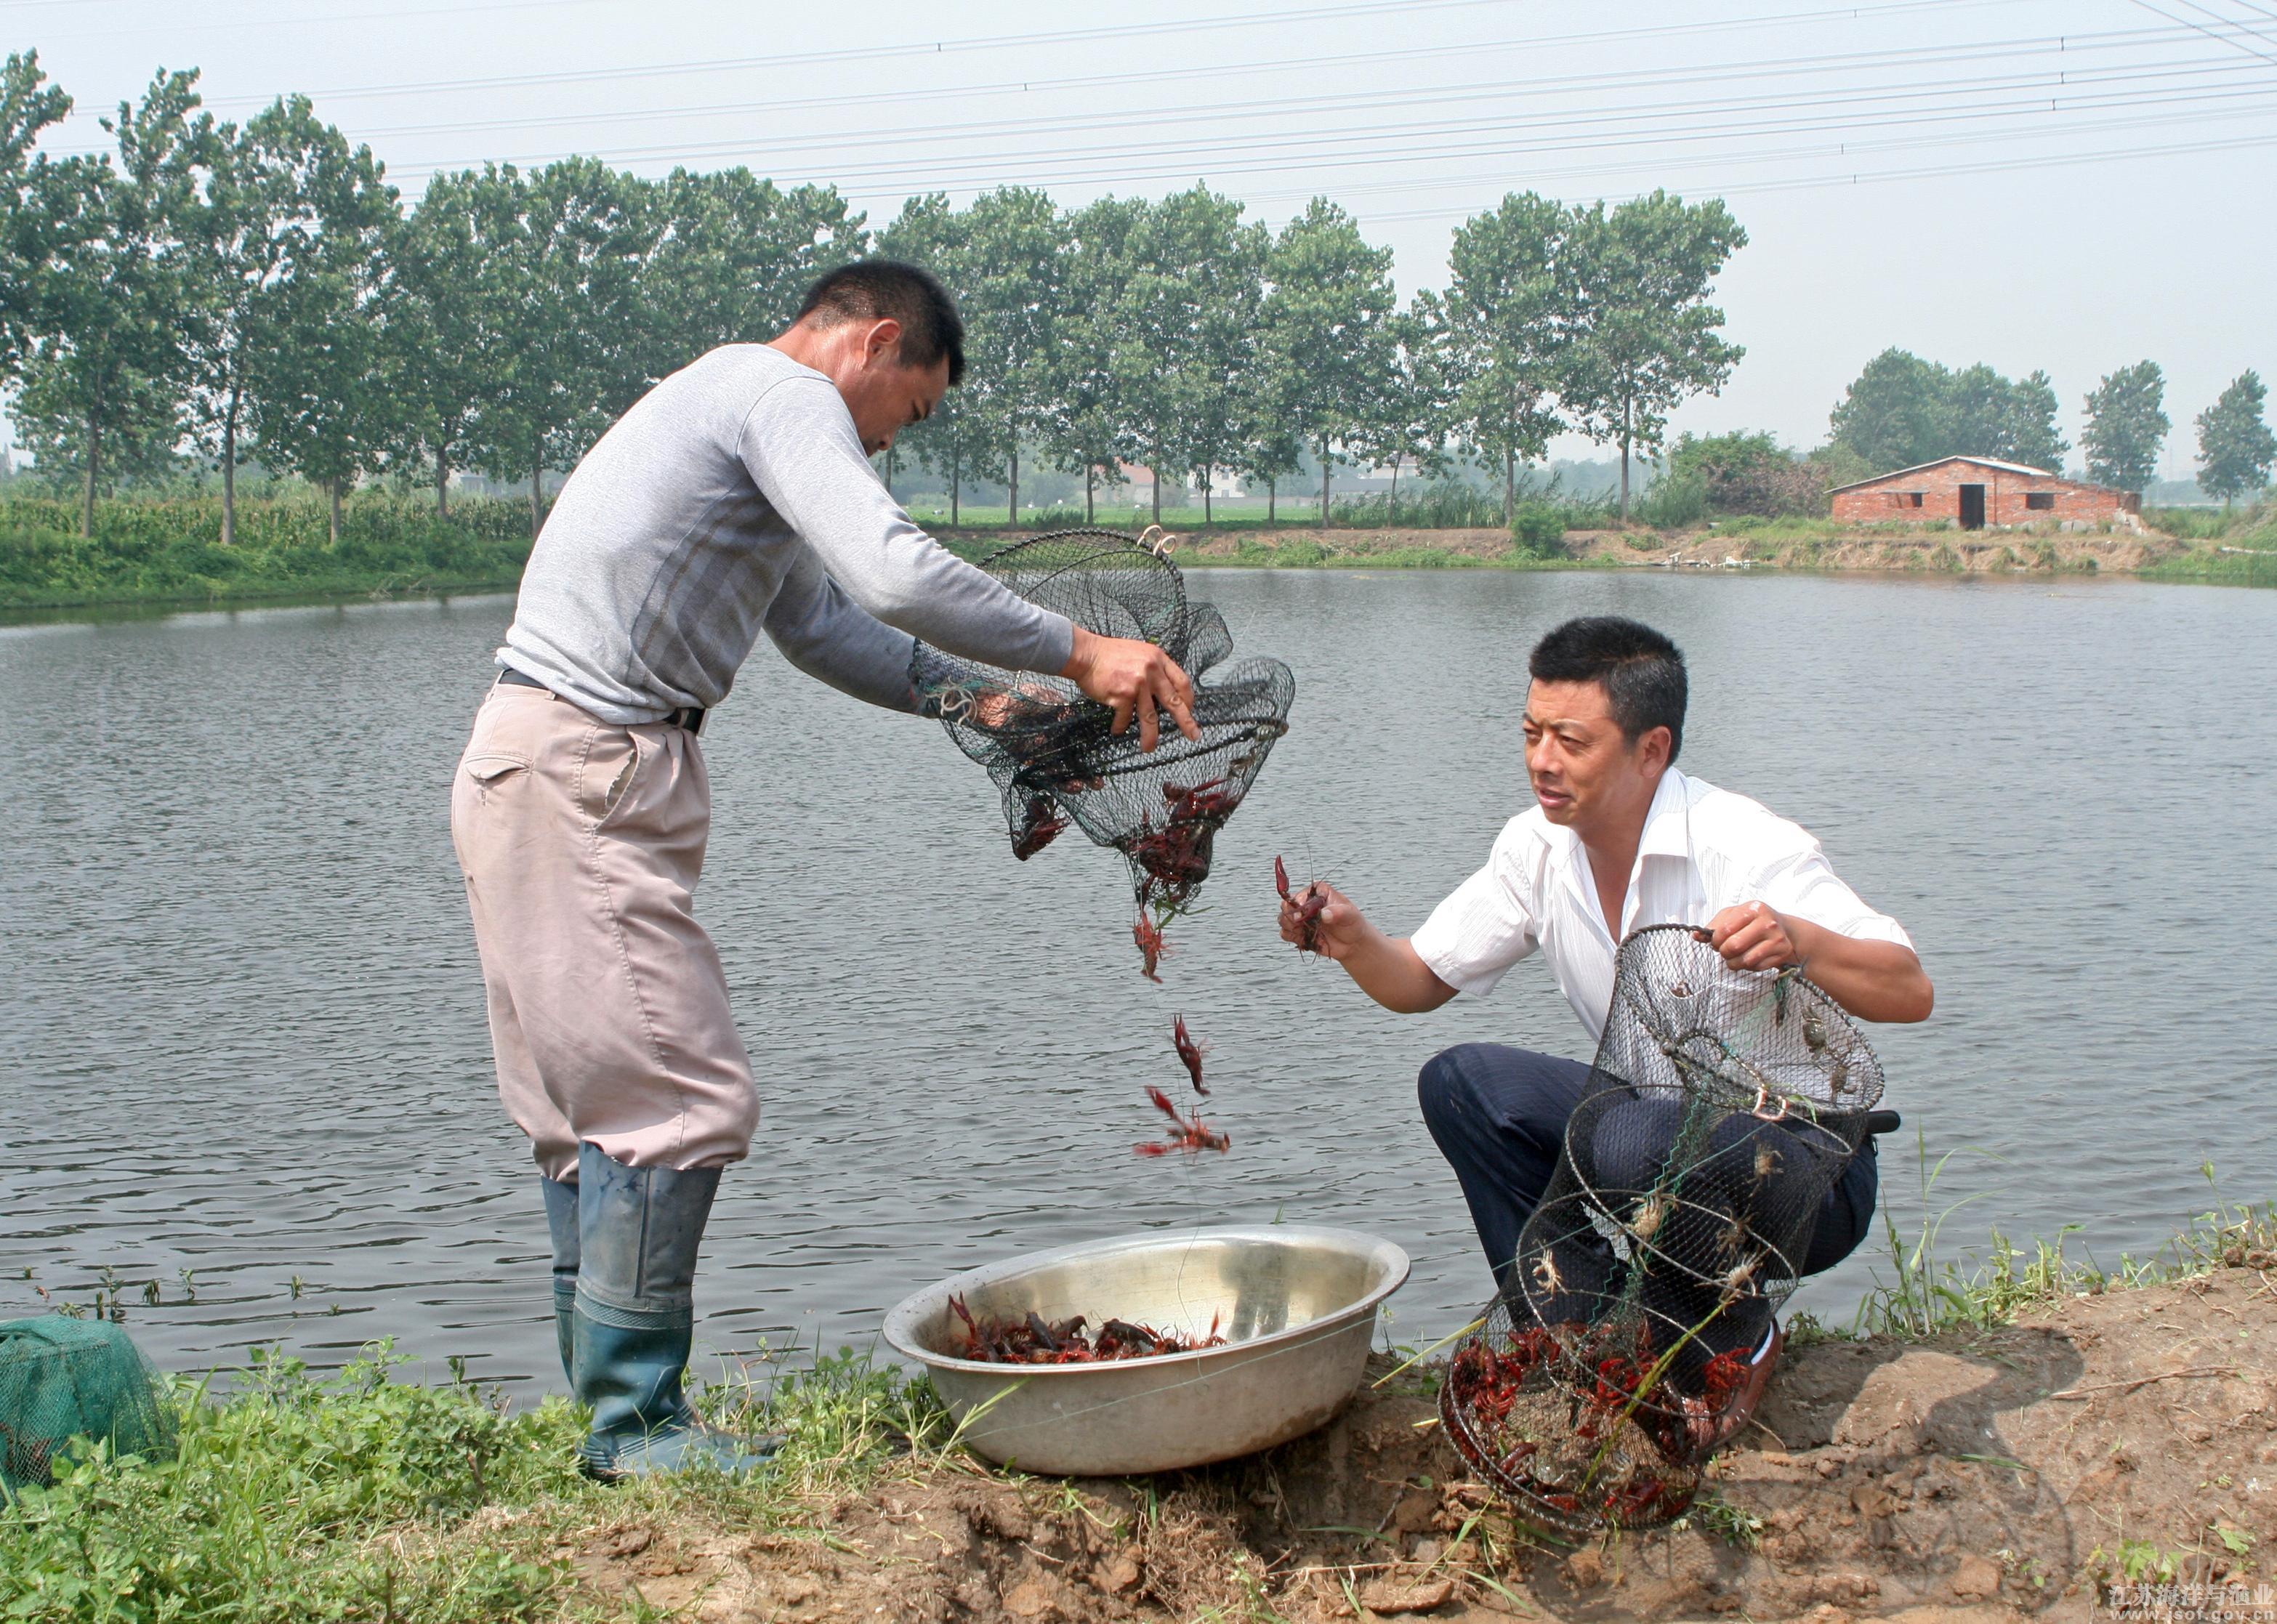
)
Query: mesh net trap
[
  {"x": 1722, "y": 1107},
  {"x": 1053, "y": 754},
  {"x": 63, "y": 1380}
]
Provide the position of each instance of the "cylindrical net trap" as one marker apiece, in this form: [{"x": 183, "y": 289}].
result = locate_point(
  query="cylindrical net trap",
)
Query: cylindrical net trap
[
  {"x": 1053, "y": 754},
  {"x": 1722, "y": 1107}
]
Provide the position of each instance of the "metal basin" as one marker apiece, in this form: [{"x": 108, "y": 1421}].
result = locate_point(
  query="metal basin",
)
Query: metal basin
[{"x": 1295, "y": 1304}]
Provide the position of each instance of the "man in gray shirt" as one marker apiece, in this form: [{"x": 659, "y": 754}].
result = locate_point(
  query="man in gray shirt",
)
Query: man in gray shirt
[{"x": 735, "y": 498}]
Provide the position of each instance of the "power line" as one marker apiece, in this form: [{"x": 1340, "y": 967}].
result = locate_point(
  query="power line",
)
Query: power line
[
  {"x": 1843, "y": 150},
  {"x": 1003, "y": 42},
  {"x": 1253, "y": 107},
  {"x": 2210, "y": 33},
  {"x": 1367, "y": 147}
]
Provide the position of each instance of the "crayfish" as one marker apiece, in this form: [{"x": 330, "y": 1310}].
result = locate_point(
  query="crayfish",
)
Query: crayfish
[
  {"x": 1311, "y": 903},
  {"x": 1034, "y": 1340},
  {"x": 1148, "y": 934},
  {"x": 1193, "y": 1134},
  {"x": 1040, "y": 824},
  {"x": 1190, "y": 1052}
]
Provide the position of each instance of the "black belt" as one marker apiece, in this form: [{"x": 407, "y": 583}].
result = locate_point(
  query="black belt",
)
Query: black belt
[{"x": 689, "y": 717}]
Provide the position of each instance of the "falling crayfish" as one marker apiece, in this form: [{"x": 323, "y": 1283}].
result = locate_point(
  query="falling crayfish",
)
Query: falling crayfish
[
  {"x": 1190, "y": 1052},
  {"x": 1311, "y": 903},
  {"x": 1148, "y": 934},
  {"x": 1187, "y": 1134}
]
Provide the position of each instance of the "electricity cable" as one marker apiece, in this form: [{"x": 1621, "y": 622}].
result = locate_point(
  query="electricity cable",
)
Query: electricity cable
[
  {"x": 2209, "y": 33},
  {"x": 998, "y": 43},
  {"x": 1254, "y": 108},
  {"x": 1369, "y": 148}
]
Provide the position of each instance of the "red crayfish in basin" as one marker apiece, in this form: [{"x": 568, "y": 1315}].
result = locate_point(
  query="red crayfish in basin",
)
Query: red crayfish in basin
[{"x": 1034, "y": 1340}]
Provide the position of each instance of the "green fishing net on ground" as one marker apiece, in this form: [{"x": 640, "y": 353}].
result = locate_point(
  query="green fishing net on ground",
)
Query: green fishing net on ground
[{"x": 65, "y": 1381}]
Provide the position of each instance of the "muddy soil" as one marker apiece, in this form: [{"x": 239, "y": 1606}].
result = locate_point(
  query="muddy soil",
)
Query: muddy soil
[{"x": 1977, "y": 1476}]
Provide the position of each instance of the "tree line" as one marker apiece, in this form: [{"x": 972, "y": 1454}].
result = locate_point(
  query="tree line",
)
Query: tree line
[
  {"x": 1902, "y": 411},
  {"x": 248, "y": 291}
]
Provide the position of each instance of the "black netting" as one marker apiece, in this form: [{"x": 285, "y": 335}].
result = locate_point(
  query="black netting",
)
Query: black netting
[
  {"x": 1052, "y": 753},
  {"x": 1721, "y": 1108}
]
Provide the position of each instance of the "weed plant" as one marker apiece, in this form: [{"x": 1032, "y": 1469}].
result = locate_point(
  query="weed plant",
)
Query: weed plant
[
  {"x": 363, "y": 1496},
  {"x": 1927, "y": 1292}
]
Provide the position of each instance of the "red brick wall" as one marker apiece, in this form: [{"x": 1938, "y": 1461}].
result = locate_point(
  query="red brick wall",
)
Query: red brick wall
[{"x": 1883, "y": 501}]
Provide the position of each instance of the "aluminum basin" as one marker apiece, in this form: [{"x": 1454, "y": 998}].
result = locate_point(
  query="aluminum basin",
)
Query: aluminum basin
[{"x": 1295, "y": 1304}]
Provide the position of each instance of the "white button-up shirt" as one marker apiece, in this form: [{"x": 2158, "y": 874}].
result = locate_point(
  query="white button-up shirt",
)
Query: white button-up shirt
[{"x": 1704, "y": 850}]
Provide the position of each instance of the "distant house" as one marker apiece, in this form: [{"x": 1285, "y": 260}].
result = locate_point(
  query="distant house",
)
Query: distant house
[{"x": 1973, "y": 492}]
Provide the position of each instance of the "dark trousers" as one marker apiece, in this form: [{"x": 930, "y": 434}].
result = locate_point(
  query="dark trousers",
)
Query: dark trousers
[{"x": 1499, "y": 1116}]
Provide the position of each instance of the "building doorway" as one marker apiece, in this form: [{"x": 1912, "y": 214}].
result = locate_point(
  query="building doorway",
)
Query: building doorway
[{"x": 1972, "y": 507}]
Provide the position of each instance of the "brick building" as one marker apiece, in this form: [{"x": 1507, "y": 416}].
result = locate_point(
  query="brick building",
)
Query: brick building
[{"x": 1973, "y": 492}]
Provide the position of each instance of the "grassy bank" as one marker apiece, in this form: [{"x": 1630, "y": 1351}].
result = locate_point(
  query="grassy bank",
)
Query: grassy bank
[
  {"x": 170, "y": 551},
  {"x": 363, "y": 1496}
]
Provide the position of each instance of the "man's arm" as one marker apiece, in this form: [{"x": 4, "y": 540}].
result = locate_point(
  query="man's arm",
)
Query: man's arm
[
  {"x": 799, "y": 446},
  {"x": 1873, "y": 980},
  {"x": 828, "y": 636},
  {"x": 1387, "y": 969}
]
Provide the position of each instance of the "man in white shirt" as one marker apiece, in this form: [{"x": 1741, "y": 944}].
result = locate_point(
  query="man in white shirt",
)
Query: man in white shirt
[{"x": 1618, "y": 839}]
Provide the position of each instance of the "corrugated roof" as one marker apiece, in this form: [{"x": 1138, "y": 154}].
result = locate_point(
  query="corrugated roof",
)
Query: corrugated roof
[{"x": 1982, "y": 462}]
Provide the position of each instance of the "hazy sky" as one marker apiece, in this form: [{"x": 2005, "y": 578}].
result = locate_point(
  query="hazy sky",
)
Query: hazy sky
[{"x": 2074, "y": 185}]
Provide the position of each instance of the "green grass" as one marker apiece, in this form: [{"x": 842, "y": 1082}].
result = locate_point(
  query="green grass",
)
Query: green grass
[
  {"x": 170, "y": 551},
  {"x": 1926, "y": 1292},
  {"x": 361, "y": 1497}
]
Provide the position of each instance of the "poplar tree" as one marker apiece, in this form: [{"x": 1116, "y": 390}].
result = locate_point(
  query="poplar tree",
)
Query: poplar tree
[
  {"x": 1013, "y": 299},
  {"x": 104, "y": 369},
  {"x": 956, "y": 439},
  {"x": 1506, "y": 326},
  {"x": 317, "y": 381},
  {"x": 2236, "y": 449},
  {"x": 33, "y": 190},
  {"x": 1327, "y": 330},
  {"x": 2126, "y": 426},
  {"x": 1645, "y": 338},
  {"x": 1086, "y": 428}
]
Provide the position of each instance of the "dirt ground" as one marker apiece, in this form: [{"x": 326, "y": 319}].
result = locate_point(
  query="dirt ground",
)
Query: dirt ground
[{"x": 1977, "y": 1476}]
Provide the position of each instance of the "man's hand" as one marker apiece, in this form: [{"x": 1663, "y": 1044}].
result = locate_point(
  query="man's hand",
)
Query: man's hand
[
  {"x": 1132, "y": 678},
  {"x": 1385, "y": 968},
  {"x": 1874, "y": 981},
  {"x": 1753, "y": 936},
  {"x": 1338, "y": 930}
]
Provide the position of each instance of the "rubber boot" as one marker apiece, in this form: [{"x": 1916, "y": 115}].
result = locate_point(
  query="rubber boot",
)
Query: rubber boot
[
  {"x": 638, "y": 1229},
  {"x": 561, "y": 1224}
]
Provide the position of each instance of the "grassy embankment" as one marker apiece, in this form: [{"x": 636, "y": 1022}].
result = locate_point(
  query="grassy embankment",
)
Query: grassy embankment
[
  {"x": 364, "y": 1498},
  {"x": 170, "y": 551}
]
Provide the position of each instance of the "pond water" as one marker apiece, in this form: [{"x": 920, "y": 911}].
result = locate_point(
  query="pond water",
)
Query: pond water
[{"x": 245, "y": 1069}]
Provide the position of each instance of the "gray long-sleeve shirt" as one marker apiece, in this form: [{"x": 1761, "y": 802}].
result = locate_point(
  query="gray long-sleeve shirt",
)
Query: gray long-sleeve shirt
[{"x": 733, "y": 498}]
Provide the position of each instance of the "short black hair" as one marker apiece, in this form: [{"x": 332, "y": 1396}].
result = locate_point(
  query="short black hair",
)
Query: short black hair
[
  {"x": 873, "y": 290},
  {"x": 1641, "y": 671}
]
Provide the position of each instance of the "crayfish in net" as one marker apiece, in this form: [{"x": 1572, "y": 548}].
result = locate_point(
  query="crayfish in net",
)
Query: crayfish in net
[
  {"x": 1170, "y": 859},
  {"x": 1185, "y": 1133},
  {"x": 1034, "y": 1340},
  {"x": 1575, "y": 1418}
]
